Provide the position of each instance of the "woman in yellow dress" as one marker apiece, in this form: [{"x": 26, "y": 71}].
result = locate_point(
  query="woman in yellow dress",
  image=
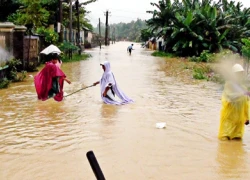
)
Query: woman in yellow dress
[{"x": 234, "y": 112}]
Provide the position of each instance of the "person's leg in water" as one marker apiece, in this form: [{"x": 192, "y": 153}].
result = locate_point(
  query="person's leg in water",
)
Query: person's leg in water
[
  {"x": 130, "y": 51},
  {"x": 55, "y": 87}
]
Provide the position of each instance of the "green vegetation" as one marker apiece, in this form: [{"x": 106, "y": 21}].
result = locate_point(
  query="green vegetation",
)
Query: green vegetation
[
  {"x": 67, "y": 48},
  {"x": 4, "y": 83},
  {"x": 162, "y": 54},
  {"x": 75, "y": 57},
  {"x": 12, "y": 73},
  {"x": 192, "y": 26},
  {"x": 146, "y": 34},
  {"x": 202, "y": 31},
  {"x": 51, "y": 37},
  {"x": 200, "y": 72},
  {"x": 205, "y": 56},
  {"x": 203, "y": 71},
  {"x": 41, "y": 13},
  {"x": 128, "y": 31},
  {"x": 246, "y": 52}
]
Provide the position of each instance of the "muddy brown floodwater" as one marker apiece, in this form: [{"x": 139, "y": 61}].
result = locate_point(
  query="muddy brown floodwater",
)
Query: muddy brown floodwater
[{"x": 49, "y": 140}]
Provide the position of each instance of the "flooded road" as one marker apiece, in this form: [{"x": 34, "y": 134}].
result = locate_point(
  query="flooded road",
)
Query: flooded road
[{"x": 49, "y": 140}]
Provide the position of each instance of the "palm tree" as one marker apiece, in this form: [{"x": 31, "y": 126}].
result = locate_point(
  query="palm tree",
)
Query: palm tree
[{"x": 192, "y": 26}]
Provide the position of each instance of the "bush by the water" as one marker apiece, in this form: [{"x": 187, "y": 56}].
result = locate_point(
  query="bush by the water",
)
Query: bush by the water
[
  {"x": 4, "y": 83},
  {"x": 198, "y": 73},
  {"x": 162, "y": 54},
  {"x": 12, "y": 73},
  {"x": 205, "y": 56},
  {"x": 204, "y": 71},
  {"x": 75, "y": 57}
]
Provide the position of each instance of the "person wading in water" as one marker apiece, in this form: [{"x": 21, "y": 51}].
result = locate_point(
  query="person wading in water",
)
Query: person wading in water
[{"x": 109, "y": 87}]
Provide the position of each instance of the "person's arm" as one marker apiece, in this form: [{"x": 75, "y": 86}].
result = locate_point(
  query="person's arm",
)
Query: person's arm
[
  {"x": 68, "y": 81},
  {"x": 106, "y": 90},
  {"x": 94, "y": 84}
]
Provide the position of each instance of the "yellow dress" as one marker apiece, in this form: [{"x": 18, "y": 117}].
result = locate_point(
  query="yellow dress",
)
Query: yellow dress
[{"x": 234, "y": 112}]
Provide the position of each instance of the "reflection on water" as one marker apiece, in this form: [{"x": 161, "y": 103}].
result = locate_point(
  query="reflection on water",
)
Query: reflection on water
[
  {"x": 108, "y": 111},
  {"x": 231, "y": 158},
  {"x": 48, "y": 140}
]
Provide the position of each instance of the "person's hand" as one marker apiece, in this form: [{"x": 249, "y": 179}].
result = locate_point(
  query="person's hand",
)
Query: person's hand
[{"x": 68, "y": 81}]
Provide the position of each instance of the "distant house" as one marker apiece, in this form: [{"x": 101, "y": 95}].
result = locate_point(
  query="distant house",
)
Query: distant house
[
  {"x": 152, "y": 43},
  {"x": 87, "y": 35},
  {"x": 88, "y": 39},
  {"x": 160, "y": 43}
]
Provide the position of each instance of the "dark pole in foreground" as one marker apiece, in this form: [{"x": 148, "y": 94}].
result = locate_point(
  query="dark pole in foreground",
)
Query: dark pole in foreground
[
  {"x": 106, "y": 29},
  {"x": 78, "y": 28},
  {"x": 70, "y": 21},
  {"x": 100, "y": 27},
  {"x": 95, "y": 166}
]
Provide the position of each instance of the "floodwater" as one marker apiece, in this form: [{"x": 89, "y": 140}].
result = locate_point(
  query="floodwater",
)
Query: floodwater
[{"x": 49, "y": 140}]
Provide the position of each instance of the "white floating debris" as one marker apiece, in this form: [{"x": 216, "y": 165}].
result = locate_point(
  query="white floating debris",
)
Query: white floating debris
[
  {"x": 31, "y": 76},
  {"x": 79, "y": 101},
  {"x": 160, "y": 125}
]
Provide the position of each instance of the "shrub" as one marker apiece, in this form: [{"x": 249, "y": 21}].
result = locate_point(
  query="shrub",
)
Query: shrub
[
  {"x": 194, "y": 59},
  {"x": 201, "y": 72},
  {"x": 50, "y": 35},
  {"x": 67, "y": 46},
  {"x": 205, "y": 56},
  {"x": 162, "y": 54},
  {"x": 4, "y": 83},
  {"x": 68, "y": 49},
  {"x": 198, "y": 73},
  {"x": 12, "y": 73},
  {"x": 75, "y": 57}
]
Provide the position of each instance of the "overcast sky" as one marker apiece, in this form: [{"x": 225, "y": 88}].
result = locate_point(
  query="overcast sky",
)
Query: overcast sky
[{"x": 125, "y": 10}]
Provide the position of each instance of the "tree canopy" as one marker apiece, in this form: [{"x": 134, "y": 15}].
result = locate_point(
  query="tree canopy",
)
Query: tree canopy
[
  {"x": 41, "y": 13},
  {"x": 125, "y": 31},
  {"x": 192, "y": 26}
]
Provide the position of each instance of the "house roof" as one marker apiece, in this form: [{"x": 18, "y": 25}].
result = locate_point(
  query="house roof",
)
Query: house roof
[{"x": 84, "y": 28}]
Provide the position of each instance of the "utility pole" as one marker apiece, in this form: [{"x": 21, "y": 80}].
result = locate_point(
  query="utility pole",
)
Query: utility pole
[
  {"x": 78, "y": 27},
  {"x": 109, "y": 30},
  {"x": 100, "y": 27},
  {"x": 114, "y": 35},
  {"x": 70, "y": 20},
  {"x": 106, "y": 28},
  {"x": 70, "y": 27},
  {"x": 60, "y": 21}
]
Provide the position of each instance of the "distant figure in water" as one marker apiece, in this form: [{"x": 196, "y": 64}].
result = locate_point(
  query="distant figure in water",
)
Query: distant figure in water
[
  {"x": 109, "y": 87},
  {"x": 235, "y": 107},
  {"x": 50, "y": 80},
  {"x": 130, "y": 48}
]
